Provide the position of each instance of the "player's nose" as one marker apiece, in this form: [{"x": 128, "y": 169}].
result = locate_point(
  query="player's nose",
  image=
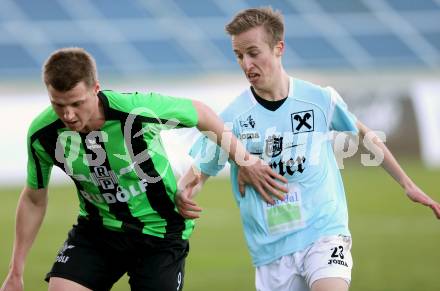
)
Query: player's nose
[
  {"x": 247, "y": 63},
  {"x": 68, "y": 114}
]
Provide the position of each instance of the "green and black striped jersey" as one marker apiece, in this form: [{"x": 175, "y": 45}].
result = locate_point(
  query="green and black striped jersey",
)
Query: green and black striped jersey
[{"x": 122, "y": 174}]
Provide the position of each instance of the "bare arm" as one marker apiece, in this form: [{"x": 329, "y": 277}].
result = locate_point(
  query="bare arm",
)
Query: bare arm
[
  {"x": 393, "y": 168},
  {"x": 211, "y": 124},
  {"x": 30, "y": 212},
  {"x": 263, "y": 178},
  {"x": 259, "y": 175},
  {"x": 189, "y": 185}
]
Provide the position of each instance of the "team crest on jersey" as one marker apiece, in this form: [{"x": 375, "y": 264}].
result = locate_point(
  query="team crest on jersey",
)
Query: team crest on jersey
[
  {"x": 274, "y": 146},
  {"x": 302, "y": 121},
  {"x": 249, "y": 122}
]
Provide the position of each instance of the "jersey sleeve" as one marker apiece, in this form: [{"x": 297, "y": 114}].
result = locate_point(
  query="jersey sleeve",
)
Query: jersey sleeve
[
  {"x": 39, "y": 165},
  {"x": 208, "y": 157},
  {"x": 166, "y": 112},
  {"x": 171, "y": 112},
  {"x": 340, "y": 118}
]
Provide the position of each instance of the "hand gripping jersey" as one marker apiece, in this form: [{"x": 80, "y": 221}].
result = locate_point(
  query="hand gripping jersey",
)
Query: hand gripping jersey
[
  {"x": 122, "y": 174},
  {"x": 295, "y": 140}
]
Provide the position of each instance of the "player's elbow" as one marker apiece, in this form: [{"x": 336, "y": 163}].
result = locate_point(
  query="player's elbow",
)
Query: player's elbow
[
  {"x": 37, "y": 197},
  {"x": 203, "y": 113}
]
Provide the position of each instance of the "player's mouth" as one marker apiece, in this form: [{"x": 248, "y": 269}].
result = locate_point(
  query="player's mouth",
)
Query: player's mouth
[
  {"x": 71, "y": 123},
  {"x": 253, "y": 77}
]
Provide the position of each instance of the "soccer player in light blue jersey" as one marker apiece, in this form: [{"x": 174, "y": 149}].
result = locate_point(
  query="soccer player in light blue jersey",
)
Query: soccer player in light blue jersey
[{"x": 300, "y": 242}]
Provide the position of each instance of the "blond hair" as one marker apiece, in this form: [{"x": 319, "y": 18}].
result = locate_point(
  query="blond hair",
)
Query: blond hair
[{"x": 271, "y": 20}]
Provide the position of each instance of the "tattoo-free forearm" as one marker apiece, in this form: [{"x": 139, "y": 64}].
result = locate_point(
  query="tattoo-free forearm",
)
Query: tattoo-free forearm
[{"x": 29, "y": 216}]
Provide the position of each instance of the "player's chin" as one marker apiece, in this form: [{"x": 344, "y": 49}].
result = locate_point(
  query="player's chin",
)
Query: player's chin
[
  {"x": 257, "y": 83},
  {"x": 253, "y": 82}
]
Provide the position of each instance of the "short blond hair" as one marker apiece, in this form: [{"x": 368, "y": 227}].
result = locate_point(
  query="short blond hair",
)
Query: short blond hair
[
  {"x": 271, "y": 20},
  {"x": 66, "y": 67}
]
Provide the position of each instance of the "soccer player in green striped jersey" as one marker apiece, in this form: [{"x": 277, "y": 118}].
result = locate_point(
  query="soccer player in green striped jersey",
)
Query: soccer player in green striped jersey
[{"x": 109, "y": 145}]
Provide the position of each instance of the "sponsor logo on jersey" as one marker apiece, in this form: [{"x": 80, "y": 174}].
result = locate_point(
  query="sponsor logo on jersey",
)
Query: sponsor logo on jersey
[
  {"x": 122, "y": 194},
  {"x": 288, "y": 198},
  {"x": 249, "y": 122},
  {"x": 289, "y": 167},
  {"x": 102, "y": 177},
  {"x": 249, "y": 135},
  {"x": 275, "y": 144},
  {"x": 302, "y": 121}
]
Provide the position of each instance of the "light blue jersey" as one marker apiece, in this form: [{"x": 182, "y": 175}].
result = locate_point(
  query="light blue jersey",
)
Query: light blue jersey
[{"x": 295, "y": 141}]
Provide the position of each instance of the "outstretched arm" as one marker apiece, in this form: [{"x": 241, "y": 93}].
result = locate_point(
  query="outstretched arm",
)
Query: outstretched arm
[
  {"x": 31, "y": 209},
  {"x": 213, "y": 127},
  {"x": 393, "y": 168}
]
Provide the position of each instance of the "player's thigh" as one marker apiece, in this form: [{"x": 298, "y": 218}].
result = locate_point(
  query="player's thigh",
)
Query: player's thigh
[
  {"x": 329, "y": 261},
  {"x": 61, "y": 284},
  {"x": 160, "y": 270},
  {"x": 330, "y": 284}
]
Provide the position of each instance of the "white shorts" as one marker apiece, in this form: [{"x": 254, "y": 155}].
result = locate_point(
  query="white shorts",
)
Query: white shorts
[{"x": 328, "y": 257}]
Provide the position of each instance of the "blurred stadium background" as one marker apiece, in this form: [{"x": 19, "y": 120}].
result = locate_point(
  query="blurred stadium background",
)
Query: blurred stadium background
[{"x": 383, "y": 56}]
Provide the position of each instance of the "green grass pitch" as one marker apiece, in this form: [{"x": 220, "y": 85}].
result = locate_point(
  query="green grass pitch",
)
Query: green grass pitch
[{"x": 396, "y": 243}]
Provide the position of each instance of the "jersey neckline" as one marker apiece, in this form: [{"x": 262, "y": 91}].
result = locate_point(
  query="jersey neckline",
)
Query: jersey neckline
[{"x": 266, "y": 110}]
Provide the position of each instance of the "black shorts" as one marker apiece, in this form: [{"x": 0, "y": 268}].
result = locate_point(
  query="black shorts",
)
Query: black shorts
[{"x": 97, "y": 258}]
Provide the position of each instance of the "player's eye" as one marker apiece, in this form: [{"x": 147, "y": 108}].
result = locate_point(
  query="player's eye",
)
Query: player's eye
[
  {"x": 253, "y": 54},
  {"x": 77, "y": 104}
]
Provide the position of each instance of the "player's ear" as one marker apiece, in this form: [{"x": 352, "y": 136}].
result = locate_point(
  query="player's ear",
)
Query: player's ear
[
  {"x": 97, "y": 87},
  {"x": 279, "y": 48}
]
